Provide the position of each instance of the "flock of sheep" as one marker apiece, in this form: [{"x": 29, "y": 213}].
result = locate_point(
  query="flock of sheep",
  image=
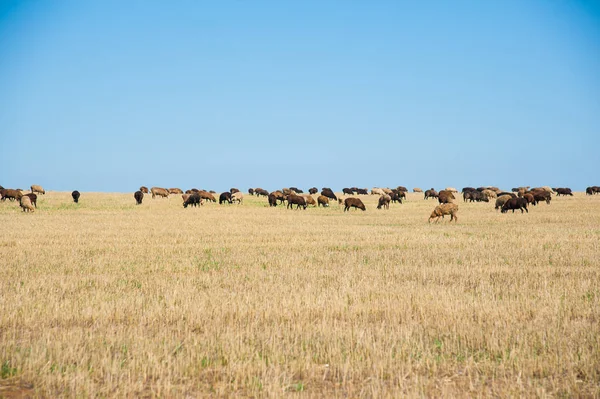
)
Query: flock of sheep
[{"x": 517, "y": 199}]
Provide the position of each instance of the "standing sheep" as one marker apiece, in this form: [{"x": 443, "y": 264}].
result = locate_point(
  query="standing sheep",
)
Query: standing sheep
[
  {"x": 323, "y": 201},
  {"x": 445, "y": 209},
  {"x": 139, "y": 196},
  {"x": 75, "y": 194},
  {"x": 501, "y": 200},
  {"x": 37, "y": 189},
  {"x": 237, "y": 196},
  {"x": 354, "y": 203},
  {"x": 384, "y": 202}
]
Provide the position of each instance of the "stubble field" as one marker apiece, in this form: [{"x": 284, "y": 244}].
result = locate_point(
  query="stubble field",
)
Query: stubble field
[{"x": 106, "y": 298}]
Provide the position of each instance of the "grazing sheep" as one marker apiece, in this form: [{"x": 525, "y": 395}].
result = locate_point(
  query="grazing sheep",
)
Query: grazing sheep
[
  {"x": 237, "y": 196},
  {"x": 386, "y": 191},
  {"x": 313, "y": 190},
  {"x": 323, "y": 201},
  {"x": 272, "y": 199},
  {"x": 377, "y": 191},
  {"x": 37, "y": 189},
  {"x": 259, "y": 191},
  {"x": 279, "y": 196},
  {"x": 402, "y": 188},
  {"x": 161, "y": 192},
  {"x": 515, "y": 203},
  {"x": 451, "y": 189},
  {"x": 384, "y": 202},
  {"x": 309, "y": 199},
  {"x": 347, "y": 191},
  {"x": 297, "y": 200},
  {"x": 501, "y": 200},
  {"x": 563, "y": 191},
  {"x": 489, "y": 193},
  {"x": 207, "y": 196},
  {"x": 25, "y": 203},
  {"x": 296, "y": 190},
  {"x": 596, "y": 189},
  {"x": 75, "y": 194},
  {"x": 251, "y": 191},
  {"x": 362, "y": 191},
  {"x": 513, "y": 195},
  {"x": 540, "y": 195},
  {"x": 234, "y": 190},
  {"x": 192, "y": 199},
  {"x": 445, "y": 197},
  {"x": 144, "y": 189},
  {"x": 589, "y": 191},
  {"x": 431, "y": 193},
  {"x": 225, "y": 197},
  {"x": 354, "y": 203},
  {"x": 139, "y": 196},
  {"x": 465, "y": 189},
  {"x": 397, "y": 196},
  {"x": 417, "y": 190},
  {"x": 33, "y": 198},
  {"x": 175, "y": 191},
  {"x": 11, "y": 194},
  {"x": 328, "y": 193},
  {"x": 444, "y": 209},
  {"x": 529, "y": 197}
]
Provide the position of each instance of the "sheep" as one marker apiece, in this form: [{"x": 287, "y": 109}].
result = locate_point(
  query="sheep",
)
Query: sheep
[
  {"x": 11, "y": 194},
  {"x": 540, "y": 195},
  {"x": 33, "y": 198},
  {"x": 272, "y": 199},
  {"x": 238, "y": 196},
  {"x": 37, "y": 189},
  {"x": 451, "y": 189},
  {"x": 384, "y": 202},
  {"x": 313, "y": 190},
  {"x": 362, "y": 191},
  {"x": 161, "y": 192},
  {"x": 386, "y": 191},
  {"x": 515, "y": 203},
  {"x": 445, "y": 197},
  {"x": 589, "y": 191},
  {"x": 347, "y": 191},
  {"x": 144, "y": 189},
  {"x": 279, "y": 196},
  {"x": 563, "y": 191},
  {"x": 294, "y": 199},
  {"x": 417, "y": 190},
  {"x": 175, "y": 191},
  {"x": 431, "y": 193},
  {"x": 323, "y": 201},
  {"x": 25, "y": 203},
  {"x": 489, "y": 193},
  {"x": 139, "y": 196},
  {"x": 377, "y": 191},
  {"x": 444, "y": 209},
  {"x": 207, "y": 196},
  {"x": 251, "y": 191},
  {"x": 354, "y": 203},
  {"x": 501, "y": 200},
  {"x": 233, "y": 190},
  {"x": 402, "y": 188},
  {"x": 192, "y": 199},
  {"x": 225, "y": 197},
  {"x": 75, "y": 194},
  {"x": 328, "y": 193},
  {"x": 309, "y": 200},
  {"x": 259, "y": 191}
]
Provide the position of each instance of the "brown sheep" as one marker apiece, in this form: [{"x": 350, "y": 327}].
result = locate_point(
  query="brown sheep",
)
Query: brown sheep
[
  {"x": 387, "y": 191},
  {"x": 529, "y": 197},
  {"x": 175, "y": 191},
  {"x": 377, "y": 191},
  {"x": 354, "y": 203},
  {"x": 144, "y": 189},
  {"x": 501, "y": 200},
  {"x": 234, "y": 190},
  {"x": 309, "y": 200},
  {"x": 323, "y": 201},
  {"x": 37, "y": 189},
  {"x": 272, "y": 199},
  {"x": 417, "y": 190},
  {"x": 297, "y": 200},
  {"x": 384, "y": 202},
  {"x": 451, "y": 189},
  {"x": 139, "y": 196},
  {"x": 431, "y": 193},
  {"x": 26, "y": 204},
  {"x": 444, "y": 209},
  {"x": 76, "y": 194},
  {"x": 445, "y": 197},
  {"x": 11, "y": 194},
  {"x": 161, "y": 192},
  {"x": 207, "y": 196},
  {"x": 279, "y": 196}
]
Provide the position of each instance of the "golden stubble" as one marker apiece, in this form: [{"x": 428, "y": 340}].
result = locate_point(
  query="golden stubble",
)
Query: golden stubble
[{"x": 106, "y": 298}]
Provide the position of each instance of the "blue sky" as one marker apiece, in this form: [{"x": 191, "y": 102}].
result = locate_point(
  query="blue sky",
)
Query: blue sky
[{"x": 111, "y": 95}]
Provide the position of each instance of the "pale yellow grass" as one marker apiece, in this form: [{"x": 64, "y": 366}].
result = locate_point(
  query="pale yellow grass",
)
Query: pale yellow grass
[{"x": 107, "y": 298}]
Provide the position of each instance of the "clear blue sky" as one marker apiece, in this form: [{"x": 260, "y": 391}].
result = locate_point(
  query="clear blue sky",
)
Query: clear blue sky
[{"x": 111, "y": 95}]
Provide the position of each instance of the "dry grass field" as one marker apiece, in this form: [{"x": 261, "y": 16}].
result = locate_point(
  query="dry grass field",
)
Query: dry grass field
[{"x": 105, "y": 298}]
